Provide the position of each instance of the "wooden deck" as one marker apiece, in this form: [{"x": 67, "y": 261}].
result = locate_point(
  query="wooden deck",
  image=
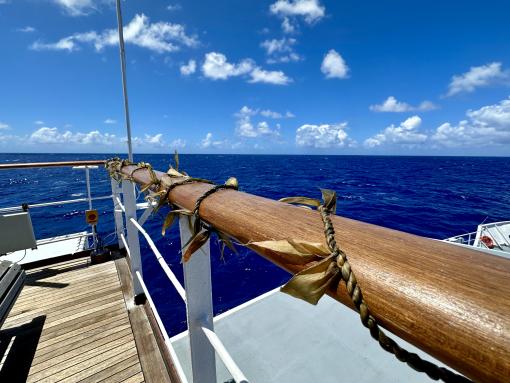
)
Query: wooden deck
[{"x": 76, "y": 322}]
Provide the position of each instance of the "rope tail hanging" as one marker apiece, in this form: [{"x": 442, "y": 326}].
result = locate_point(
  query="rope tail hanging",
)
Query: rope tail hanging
[{"x": 311, "y": 284}]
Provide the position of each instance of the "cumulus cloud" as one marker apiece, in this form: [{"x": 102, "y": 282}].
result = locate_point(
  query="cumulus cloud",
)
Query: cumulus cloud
[
  {"x": 174, "y": 7},
  {"x": 323, "y": 136},
  {"x": 280, "y": 50},
  {"x": 4, "y": 126},
  {"x": 217, "y": 67},
  {"x": 27, "y": 29},
  {"x": 76, "y": 7},
  {"x": 39, "y": 122},
  {"x": 209, "y": 143},
  {"x": 391, "y": 104},
  {"x": 334, "y": 66},
  {"x": 404, "y": 134},
  {"x": 178, "y": 144},
  {"x": 110, "y": 121},
  {"x": 188, "y": 68},
  {"x": 160, "y": 37},
  {"x": 487, "y": 126},
  {"x": 309, "y": 10},
  {"x": 479, "y": 76},
  {"x": 249, "y": 129},
  {"x": 47, "y": 135}
]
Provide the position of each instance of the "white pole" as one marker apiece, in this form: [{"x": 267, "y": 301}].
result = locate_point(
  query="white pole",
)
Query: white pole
[{"x": 124, "y": 81}]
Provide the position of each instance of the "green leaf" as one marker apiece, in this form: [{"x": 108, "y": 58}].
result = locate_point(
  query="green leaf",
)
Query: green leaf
[
  {"x": 302, "y": 201},
  {"x": 312, "y": 283},
  {"x": 329, "y": 198},
  {"x": 198, "y": 241}
]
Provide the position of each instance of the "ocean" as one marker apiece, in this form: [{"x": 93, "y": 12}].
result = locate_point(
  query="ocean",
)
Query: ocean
[{"x": 435, "y": 197}]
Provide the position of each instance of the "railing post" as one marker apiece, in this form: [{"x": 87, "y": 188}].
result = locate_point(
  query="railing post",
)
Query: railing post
[
  {"x": 199, "y": 308},
  {"x": 128, "y": 192},
  {"x": 117, "y": 211}
]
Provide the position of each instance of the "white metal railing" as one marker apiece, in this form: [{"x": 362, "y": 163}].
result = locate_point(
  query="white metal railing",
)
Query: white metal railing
[{"x": 196, "y": 293}]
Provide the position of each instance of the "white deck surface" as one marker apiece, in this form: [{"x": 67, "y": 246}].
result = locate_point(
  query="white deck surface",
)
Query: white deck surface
[
  {"x": 277, "y": 338},
  {"x": 63, "y": 245}
]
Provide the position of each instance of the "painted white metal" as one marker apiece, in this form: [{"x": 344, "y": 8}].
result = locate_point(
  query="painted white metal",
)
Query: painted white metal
[
  {"x": 123, "y": 239},
  {"x": 128, "y": 193},
  {"x": 162, "y": 261},
  {"x": 118, "y": 208},
  {"x": 146, "y": 214},
  {"x": 168, "y": 343},
  {"x": 54, "y": 203},
  {"x": 16, "y": 232},
  {"x": 225, "y": 357},
  {"x": 199, "y": 308},
  {"x": 62, "y": 238},
  {"x": 124, "y": 80}
]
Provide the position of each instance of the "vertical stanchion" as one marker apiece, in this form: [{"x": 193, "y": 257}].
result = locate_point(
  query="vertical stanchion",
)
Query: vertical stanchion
[
  {"x": 117, "y": 212},
  {"x": 128, "y": 193},
  {"x": 199, "y": 308}
]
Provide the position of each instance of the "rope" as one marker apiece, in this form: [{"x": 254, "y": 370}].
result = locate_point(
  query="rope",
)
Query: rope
[
  {"x": 411, "y": 359},
  {"x": 207, "y": 194}
]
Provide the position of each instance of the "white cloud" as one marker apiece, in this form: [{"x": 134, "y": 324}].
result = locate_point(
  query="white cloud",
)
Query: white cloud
[
  {"x": 323, "y": 136},
  {"x": 288, "y": 26},
  {"x": 159, "y": 37},
  {"x": 404, "y": 134},
  {"x": 156, "y": 139},
  {"x": 276, "y": 77},
  {"x": 46, "y": 135},
  {"x": 310, "y": 10},
  {"x": 487, "y": 126},
  {"x": 110, "y": 121},
  {"x": 208, "y": 142},
  {"x": 174, "y": 7},
  {"x": 178, "y": 144},
  {"x": 217, "y": 67},
  {"x": 76, "y": 7},
  {"x": 188, "y": 68},
  {"x": 39, "y": 122},
  {"x": 248, "y": 129},
  {"x": 27, "y": 29},
  {"x": 391, "y": 104},
  {"x": 280, "y": 50},
  {"x": 334, "y": 66},
  {"x": 4, "y": 126},
  {"x": 478, "y": 76},
  {"x": 276, "y": 115}
]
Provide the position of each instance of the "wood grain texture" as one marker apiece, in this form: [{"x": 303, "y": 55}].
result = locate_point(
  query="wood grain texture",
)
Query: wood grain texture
[
  {"x": 85, "y": 331},
  {"x": 449, "y": 301}
]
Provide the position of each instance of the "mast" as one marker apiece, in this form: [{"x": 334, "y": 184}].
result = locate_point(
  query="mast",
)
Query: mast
[{"x": 124, "y": 81}]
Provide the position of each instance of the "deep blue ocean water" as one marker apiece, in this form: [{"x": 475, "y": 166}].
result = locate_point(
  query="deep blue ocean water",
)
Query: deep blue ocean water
[{"x": 435, "y": 197}]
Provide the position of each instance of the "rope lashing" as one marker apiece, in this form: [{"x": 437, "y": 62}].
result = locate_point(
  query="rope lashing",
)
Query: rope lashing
[{"x": 337, "y": 266}]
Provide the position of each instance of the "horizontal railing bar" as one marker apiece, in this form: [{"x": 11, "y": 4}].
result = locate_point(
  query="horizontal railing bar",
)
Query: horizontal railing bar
[
  {"x": 53, "y": 203},
  {"x": 449, "y": 301},
  {"x": 50, "y": 164},
  {"x": 45, "y": 241},
  {"x": 169, "y": 273},
  {"x": 168, "y": 343},
  {"x": 224, "y": 355},
  {"x": 120, "y": 204}
]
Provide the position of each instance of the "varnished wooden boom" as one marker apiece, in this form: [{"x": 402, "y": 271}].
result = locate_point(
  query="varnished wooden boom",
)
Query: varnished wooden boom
[{"x": 450, "y": 301}]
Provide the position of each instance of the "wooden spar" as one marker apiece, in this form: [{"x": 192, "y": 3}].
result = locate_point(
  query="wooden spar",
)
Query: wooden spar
[
  {"x": 15, "y": 165},
  {"x": 450, "y": 301}
]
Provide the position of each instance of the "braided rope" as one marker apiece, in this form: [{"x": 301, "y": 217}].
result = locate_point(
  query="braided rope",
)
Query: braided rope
[
  {"x": 207, "y": 194},
  {"x": 411, "y": 359}
]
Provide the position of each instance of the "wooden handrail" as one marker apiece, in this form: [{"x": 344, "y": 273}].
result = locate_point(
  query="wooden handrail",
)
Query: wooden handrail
[
  {"x": 450, "y": 301},
  {"x": 50, "y": 164}
]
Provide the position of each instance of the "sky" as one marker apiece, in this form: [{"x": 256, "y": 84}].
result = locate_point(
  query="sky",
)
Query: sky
[{"x": 257, "y": 77}]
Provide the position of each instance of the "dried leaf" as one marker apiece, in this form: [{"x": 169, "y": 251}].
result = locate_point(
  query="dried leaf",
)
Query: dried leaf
[
  {"x": 168, "y": 221},
  {"x": 198, "y": 241},
  {"x": 312, "y": 283},
  {"x": 285, "y": 247},
  {"x": 226, "y": 241},
  {"x": 312, "y": 248},
  {"x": 146, "y": 187},
  {"x": 174, "y": 173},
  {"x": 197, "y": 225},
  {"x": 329, "y": 198},
  {"x": 232, "y": 181},
  {"x": 176, "y": 160},
  {"x": 302, "y": 201}
]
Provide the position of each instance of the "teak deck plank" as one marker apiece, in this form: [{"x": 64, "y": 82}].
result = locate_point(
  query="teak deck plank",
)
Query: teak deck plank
[{"x": 74, "y": 322}]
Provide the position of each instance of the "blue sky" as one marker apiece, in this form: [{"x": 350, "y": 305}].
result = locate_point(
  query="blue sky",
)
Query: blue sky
[{"x": 280, "y": 76}]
